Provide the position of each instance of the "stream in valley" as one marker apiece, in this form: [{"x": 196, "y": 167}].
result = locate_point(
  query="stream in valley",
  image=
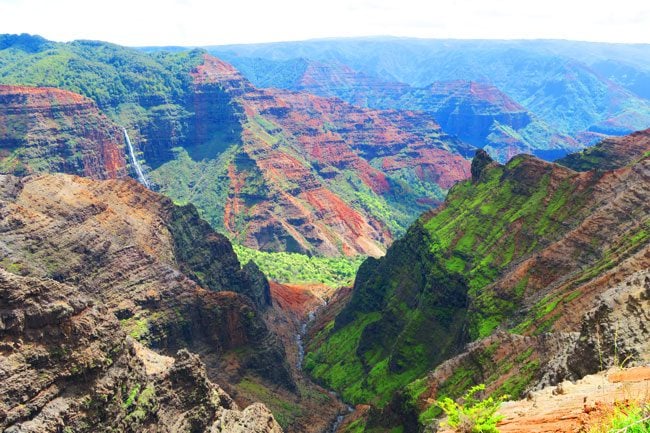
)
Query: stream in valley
[{"x": 300, "y": 342}]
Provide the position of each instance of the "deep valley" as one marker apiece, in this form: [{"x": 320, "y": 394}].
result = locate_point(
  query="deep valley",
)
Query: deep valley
[{"x": 327, "y": 236}]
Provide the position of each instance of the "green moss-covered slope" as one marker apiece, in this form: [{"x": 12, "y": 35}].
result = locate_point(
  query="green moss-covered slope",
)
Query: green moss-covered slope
[{"x": 516, "y": 252}]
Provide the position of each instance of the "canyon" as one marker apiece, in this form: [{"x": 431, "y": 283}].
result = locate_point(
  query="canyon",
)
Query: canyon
[
  {"x": 98, "y": 274},
  {"x": 133, "y": 182},
  {"x": 275, "y": 170}
]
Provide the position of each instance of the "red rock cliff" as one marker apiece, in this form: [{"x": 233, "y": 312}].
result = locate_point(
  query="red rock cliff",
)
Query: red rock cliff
[{"x": 52, "y": 130}]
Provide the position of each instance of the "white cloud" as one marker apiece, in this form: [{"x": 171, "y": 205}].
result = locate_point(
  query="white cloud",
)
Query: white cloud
[{"x": 202, "y": 22}]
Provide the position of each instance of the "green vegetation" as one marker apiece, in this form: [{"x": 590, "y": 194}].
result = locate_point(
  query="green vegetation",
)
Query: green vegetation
[
  {"x": 139, "y": 403},
  {"x": 626, "y": 418},
  {"x": 130, "y": 399},
  {"x": 474, "y": 415},
  {"x": 136, "y": 327},
  {"x": 438, "y": 279},
  {"x": 286, "y": 412},
  {"x": 107, "y": 73},
  {"x": 299, "y": 268},
  {"x": 203, "y": 183},
  {"x": 336, "y": 363},
  {"x": 357, "y": 426}
]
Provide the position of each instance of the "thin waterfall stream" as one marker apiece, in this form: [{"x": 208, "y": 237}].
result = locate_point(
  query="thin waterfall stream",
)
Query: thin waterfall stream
[
  {"x": 138, "y": 168},
  {"x": 300, "y": 339}
]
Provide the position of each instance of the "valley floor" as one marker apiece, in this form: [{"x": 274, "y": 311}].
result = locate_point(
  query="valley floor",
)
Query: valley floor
[{"x": 291, "y": 311}]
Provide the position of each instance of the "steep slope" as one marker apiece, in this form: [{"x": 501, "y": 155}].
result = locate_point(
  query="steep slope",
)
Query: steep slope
[
  {"x": 167, "y": 276},
  {"x": 308, "y": 174},
  {"x": 67, "y": 366},
  {"x": 52, "y": 130},
  {"x": 542, "y": 270}
]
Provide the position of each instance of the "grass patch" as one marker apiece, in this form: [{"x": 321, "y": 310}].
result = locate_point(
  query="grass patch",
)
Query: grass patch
[{"x": 299, "y": 268}]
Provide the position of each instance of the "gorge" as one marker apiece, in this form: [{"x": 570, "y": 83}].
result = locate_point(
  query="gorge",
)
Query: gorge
[{"x": 308, "y": 240}]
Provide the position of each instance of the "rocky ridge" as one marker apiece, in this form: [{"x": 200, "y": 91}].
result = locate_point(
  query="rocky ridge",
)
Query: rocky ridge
[
  {"x": 529, "y": 274},
  {"x": 125, "y": 248},
  {"x": 68, "y": 366}
]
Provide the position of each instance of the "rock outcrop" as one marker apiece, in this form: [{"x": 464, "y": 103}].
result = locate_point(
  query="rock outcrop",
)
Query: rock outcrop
[
  {"x": 52, "y": 130},
  {"x": 66, "y": 365},
  {"x": 120, "y": 245}
]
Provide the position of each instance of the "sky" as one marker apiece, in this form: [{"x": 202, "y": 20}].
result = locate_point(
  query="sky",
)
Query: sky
[{"x": 214, "y": 22}]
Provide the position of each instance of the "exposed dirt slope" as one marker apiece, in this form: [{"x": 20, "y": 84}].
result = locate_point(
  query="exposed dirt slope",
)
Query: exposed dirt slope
[{"x": 573, "y": 407}]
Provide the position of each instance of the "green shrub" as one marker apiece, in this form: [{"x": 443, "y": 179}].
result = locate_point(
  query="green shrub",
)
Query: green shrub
[
  {"x": 626, "y": 418},
  {"x": 474, "y": 415},
  {"x": 299, "y": 268}
]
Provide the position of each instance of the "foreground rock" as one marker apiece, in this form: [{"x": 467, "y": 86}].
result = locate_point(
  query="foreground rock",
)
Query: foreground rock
[
  {"x": 109, "y": 259},
  {"x": 65, "y": 365},
  {"x": 575, "y": 406}
]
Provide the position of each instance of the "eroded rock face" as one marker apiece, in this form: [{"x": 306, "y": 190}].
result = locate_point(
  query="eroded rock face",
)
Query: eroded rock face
[
  {"x": 118, "y": 243},
  {"x": 52, "y": 130},
  {"x": 65, "y": 363},
  {"x": 309, "y": 171}
]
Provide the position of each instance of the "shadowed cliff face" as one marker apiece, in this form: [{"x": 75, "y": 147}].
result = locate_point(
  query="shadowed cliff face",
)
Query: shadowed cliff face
[
  {"x": 304, "y": 173},
  {"x": 52, "y": 130},
  {"x": 170, "y": 283},
  {"x": 542, "y": 268},
  {"x": 68, "y": 364}
]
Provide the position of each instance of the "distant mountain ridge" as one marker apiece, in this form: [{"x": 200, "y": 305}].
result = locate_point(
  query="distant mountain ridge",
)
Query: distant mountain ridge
[
  {"x": 572, "y": 87},
  {"x": 477, "y": 113}
]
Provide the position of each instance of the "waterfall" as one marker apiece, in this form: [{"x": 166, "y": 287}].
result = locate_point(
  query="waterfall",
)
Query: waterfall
[
  {"x": 138, "y": 168},
  {"x": 333, "y": 428}
]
